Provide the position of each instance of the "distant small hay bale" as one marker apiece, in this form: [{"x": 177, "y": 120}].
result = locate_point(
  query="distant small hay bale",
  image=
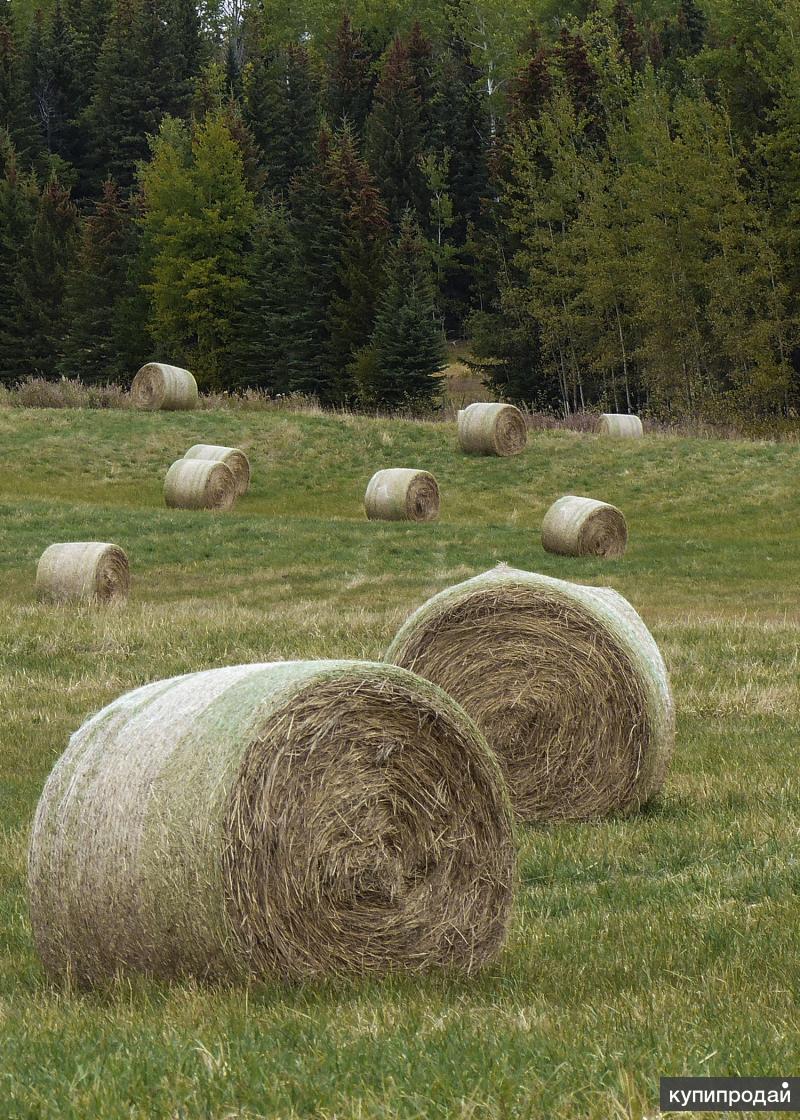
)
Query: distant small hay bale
[
  {"x": 199, "y": 484},
  {"x": 231, "y": 456},
  {"x": 402, "y": 494},
  {"x": 576, "y": 526},
  {"x": 565, "y": 681},
  {"x": 621, "y": 424},
  {"x": 284, "y": 820},
  {"x": 159, "y": 386},
  {"x": 83, "y": 570},
  {"x": 492, "y": 429}
]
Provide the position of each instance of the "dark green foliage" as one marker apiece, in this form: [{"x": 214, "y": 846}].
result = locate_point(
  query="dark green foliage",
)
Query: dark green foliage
[
  {"x": 100, "y": 344},
  {"x": 32, "y": 336},
  {"x": 18, "y": 203},
  {"x": 351, "y": 80},
  {"x": 282, "y": 93},
  {"x": 395, "y": 135},
  {"x": 16, "y": 106},
  {"x": 407, "y": 349},
  {"x": 55, "y": 85},
  {"x": 629, "y": 37}
]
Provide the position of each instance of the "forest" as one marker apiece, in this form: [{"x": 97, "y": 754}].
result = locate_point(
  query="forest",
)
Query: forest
[{"x": 602, "y": 199}]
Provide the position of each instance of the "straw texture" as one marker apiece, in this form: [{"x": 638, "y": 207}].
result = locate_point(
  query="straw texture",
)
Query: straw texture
[
  {"x": 284, "y": 820},
  {"x": 90, "y": 570},
  {"x": 620, "y": 424},
  {"x": 565, "y": 681},
  {"x": 492, "y": 429},
  {"x": 584, "y": 527},
  {"x": 199, "y": 484},
  {"x": 231, "y": 456},
  {"x": 402, "y": 494},
  {"x": 159, "y": 386}
]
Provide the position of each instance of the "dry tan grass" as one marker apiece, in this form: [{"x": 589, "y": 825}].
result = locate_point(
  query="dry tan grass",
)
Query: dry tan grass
[
  {"x": 289, "y": 820},
  {"x": 565, "y": 681},
  {"x": 402, "y": 494},
  {"x": 576, "y": 526}
]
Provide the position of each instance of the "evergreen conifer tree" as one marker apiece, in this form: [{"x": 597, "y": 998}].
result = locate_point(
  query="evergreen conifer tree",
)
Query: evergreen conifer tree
[
  {"x": 18, "y": 204},
  {"x": 350, "y": 80},
  {"x": 395, "y": 136},
  {"x": 97, "y": 344},
  {"x": 406, "y": 352}
]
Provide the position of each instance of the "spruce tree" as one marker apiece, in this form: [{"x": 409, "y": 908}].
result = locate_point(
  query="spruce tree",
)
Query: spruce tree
[
  {"x": 100, "y": 295},
  {"x": 395, "y": 136},
  {"x": 629, "y": 37},
  {"x": 406, "y": 351},
  {"x": 18, "y": 205},
  {"x": 16, "y": 104},
  {"x": 34, "y": 335},
  {"x": 350, "y": 80},
  {"x": 56, "y": 85},
  {"x": 282, "y": 111}
]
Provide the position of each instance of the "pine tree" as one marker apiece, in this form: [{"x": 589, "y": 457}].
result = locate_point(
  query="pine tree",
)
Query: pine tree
[
  {"x": 197, "y": 223},
  {"x": 350, "y": 80},
  {"x": 582, "y": 79},
  {"x": 282, "y": 111},
  {"x": 406, "y": 352},
  {"x": 100, "y": 296},
  {"x": 55, "y": 85},
  {"x": 395, "y": 136},
  {"x": 33, "y": 336}
]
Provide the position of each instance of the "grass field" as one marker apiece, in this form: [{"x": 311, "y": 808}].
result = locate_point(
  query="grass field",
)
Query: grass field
[{"x": 668, "y": 943}]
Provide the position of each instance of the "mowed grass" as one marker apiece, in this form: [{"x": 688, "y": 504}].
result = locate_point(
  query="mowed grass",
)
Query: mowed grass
[{"x": 667, "y": 943}]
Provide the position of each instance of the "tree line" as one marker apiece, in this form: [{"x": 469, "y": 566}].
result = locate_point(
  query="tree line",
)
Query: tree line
[{"x": 603, "y": 199}]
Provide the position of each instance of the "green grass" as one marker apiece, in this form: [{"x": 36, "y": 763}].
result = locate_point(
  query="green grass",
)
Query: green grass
[{"x": 663, "y": 944}]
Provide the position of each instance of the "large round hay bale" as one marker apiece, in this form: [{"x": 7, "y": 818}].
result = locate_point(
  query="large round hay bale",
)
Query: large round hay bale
[
  {"x": 492, "y": 429},
  {"x": 231, "y": 456},
  {"x": 286, "y": 820},
  {"x": 90, "y": 570},
  {"x": 621, "y": 424},
  {"x": 199, "y": 484},
  {"x": 159, "y": 386},
  {"x": 402, "y": 494},
  {"x": 584, "y": 527},
  {"x": 565, "y": 681}
]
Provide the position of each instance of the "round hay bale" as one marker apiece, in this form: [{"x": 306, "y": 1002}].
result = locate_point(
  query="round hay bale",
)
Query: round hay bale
[
  {"x": 584, "y": 527},
  {"x": 492, "y": 429},
  {"x": 402, "y": 494},
  {"x": 231, "y": 456},
  {"x": 199, "y": 484},
  {"x": 620, "y": 424},
  {"x": 284, "y": 820},
  {"x": 159, "y": 386},
  {"x": 565, "y": 681},
  {"x": 91, "y": 570}
]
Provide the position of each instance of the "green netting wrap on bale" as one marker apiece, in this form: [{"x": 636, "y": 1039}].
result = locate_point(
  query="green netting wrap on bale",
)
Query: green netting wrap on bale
[
  {"x": 402, "y": 494},
  {"x": 232, "y": 457},
  {"x": 492, "y": 429},
  {"x": 620, "y": 424},
  {"x": 89, "y": 570},
  {"x": 159, "y": 386},
  {"x": 199, "y": 484},
  {"x": 584, "y": 527},
  {"x": 565, "y": 682},
  {"x": 284, "y": 820}
]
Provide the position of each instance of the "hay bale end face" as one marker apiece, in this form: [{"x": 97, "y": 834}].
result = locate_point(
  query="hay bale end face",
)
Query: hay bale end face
[
  {"x": 199, "y": 484},
  {"x": 83, "y": 570},
  {"x": 621, "y": 424},
  {"x": 159, "y": 386},
  {"x": 492, "y": 429},
  {"x": 576, "y": 526},
  {"x": 402, "y": 494},
  {"x": 231, "y": 456},
  {"x": 565, "y": 682},
  {"x": 284, "y": 820}
]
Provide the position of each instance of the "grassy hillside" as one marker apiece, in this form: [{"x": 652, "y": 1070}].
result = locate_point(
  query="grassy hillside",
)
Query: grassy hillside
[{"x": 667, "y": 943}]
